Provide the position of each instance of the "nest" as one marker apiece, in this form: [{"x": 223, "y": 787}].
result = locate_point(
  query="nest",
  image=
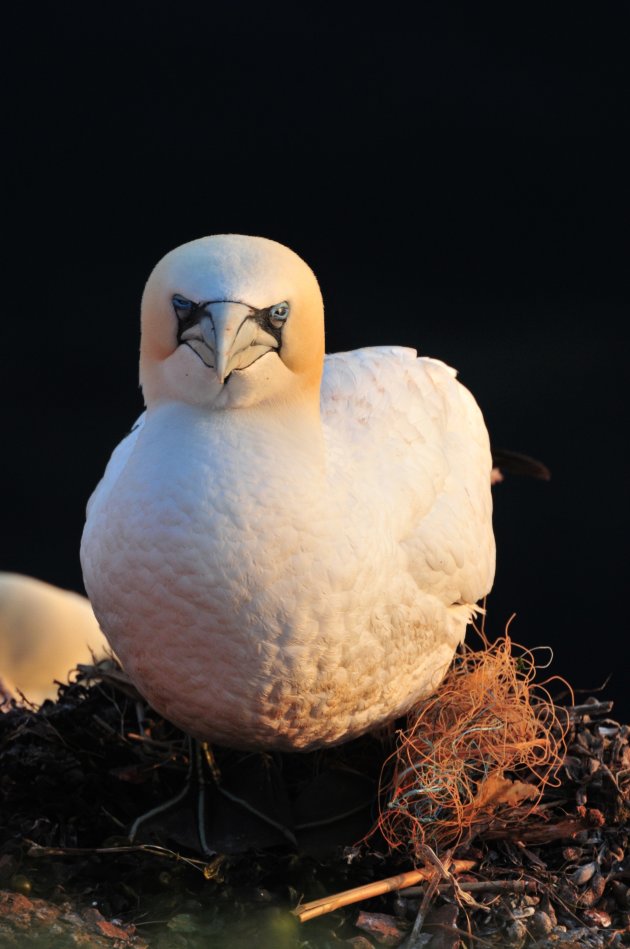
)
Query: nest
[
  {"x": 508, "y": 812},
  {"x": 488, "y": 739}
]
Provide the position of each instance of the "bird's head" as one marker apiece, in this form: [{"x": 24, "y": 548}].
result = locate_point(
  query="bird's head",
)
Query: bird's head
[{"x": 230, "y": 321}]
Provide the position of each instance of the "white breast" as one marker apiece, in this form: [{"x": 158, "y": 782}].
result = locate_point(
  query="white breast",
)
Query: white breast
[{"x": 272, "y": 581}]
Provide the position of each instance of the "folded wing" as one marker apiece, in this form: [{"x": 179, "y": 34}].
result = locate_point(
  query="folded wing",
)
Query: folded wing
[{"x": 421, "y": 457}]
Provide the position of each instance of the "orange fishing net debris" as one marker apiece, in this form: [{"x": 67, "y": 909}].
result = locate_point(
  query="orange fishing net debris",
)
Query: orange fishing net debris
[{"x": 487, "y": 741}]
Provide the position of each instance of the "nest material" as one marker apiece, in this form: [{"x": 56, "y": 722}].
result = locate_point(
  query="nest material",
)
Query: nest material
[
  {"x": 545, "y": 871},
  {"x": 487, "y": 740}
]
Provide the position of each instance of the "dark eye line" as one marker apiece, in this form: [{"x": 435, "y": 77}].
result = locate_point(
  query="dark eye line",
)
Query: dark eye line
[
  {"x": 187, "y": 312},
  {"x": 265, "y": 319},
  {"x": 181, "y": 303}
]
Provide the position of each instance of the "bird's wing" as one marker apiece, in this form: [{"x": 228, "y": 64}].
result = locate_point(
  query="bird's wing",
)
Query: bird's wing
[
  {"x": 116, "y": 464},
  {"x": 420, "y": 450}
]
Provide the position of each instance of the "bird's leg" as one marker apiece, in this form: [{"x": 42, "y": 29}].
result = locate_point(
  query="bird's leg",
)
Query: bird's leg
[
  {"x": 216, "y": 775},
  {"x": 140, "y": 717},
  {"x": 195, "y": 773},
  {"x": 172, "y": 802},
  {"x": 202, "y": 750},
  {"x": 211, "y": 761},
  {"x": 201, "y": 757}
]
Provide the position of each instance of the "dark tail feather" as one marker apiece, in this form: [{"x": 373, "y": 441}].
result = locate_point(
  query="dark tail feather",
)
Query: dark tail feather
[{"x": 513, "y": 462}]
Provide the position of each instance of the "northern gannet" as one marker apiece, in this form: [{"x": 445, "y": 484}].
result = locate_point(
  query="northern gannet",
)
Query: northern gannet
[
  {"x": 45, "y": 632},
  {"x": 287, "y": 548}
]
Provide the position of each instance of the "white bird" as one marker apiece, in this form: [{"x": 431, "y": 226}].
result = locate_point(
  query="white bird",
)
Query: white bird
[
  {"x": 288, "y": 547},
  {"x": 45, "y": 632}
]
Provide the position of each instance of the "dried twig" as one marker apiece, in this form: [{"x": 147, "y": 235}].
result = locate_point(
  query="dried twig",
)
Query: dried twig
[
  {"x": 482, "y": 886},
  {"x": 588, "y": 708},
  {"x": 207, "y": 868},
  {"x": 540, "y": 833},
  {"x": 401, "y": 881},
  {"x": 440, "y": 870}
]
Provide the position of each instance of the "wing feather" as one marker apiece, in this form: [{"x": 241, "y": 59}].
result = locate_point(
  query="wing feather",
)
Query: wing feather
[
  {"x": 420, "y": 447},
  {"x": 115, "y": 465}
]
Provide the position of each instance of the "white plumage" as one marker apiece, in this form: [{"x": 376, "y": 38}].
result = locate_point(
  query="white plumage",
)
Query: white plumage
[
  {"x": 45, "y": 632},
  {"x": 283, "y": 559}
]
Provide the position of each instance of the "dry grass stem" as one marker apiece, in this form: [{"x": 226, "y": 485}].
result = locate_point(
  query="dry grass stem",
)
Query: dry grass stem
[{"x": 329, "y": 904}]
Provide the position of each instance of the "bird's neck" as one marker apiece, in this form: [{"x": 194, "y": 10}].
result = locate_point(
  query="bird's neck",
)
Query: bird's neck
[{"x": 294, "y": 425}]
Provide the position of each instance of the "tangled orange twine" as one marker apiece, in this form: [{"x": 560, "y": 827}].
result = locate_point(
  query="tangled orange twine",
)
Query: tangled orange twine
[{"x": 487, "y": 720}]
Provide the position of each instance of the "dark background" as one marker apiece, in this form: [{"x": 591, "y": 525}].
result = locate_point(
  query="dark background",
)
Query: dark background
[{"x": 461, "y": 188}]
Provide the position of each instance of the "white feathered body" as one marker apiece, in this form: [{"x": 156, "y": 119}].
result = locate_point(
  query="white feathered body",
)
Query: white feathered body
[
  {"x": 274, "y": 580},
  {"x": 45, "y": 632}
]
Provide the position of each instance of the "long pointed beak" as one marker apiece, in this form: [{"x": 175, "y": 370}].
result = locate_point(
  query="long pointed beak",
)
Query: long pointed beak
[{"x": 220, "y": 326}]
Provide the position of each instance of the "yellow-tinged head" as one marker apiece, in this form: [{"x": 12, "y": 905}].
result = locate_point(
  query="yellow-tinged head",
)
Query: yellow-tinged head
[{"x": 230, "y": 321}]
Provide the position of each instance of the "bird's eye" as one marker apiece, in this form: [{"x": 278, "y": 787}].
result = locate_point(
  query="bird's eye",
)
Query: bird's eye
[
  {"x": 182, "y": 304},
  {"x": 278, "y": 314}
]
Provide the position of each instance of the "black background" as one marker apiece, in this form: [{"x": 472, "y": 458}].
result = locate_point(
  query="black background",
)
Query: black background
[{"x": 460, "y": 188}]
